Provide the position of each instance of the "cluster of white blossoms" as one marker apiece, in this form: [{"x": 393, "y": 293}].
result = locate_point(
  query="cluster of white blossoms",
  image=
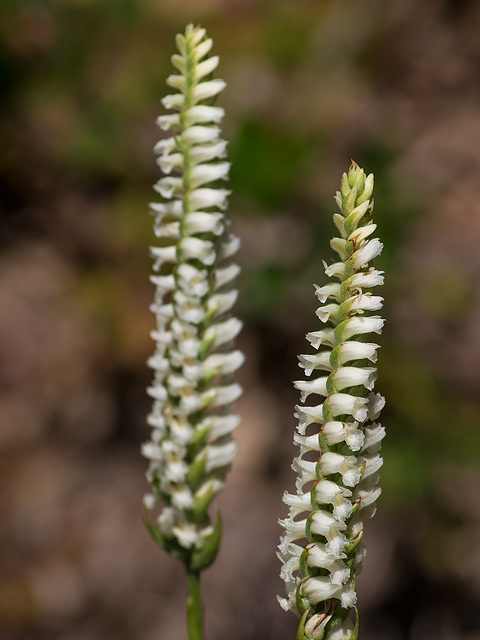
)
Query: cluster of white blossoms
[
  {"x": 339, "y": 439},
  {"x": 193, "y": 391}
]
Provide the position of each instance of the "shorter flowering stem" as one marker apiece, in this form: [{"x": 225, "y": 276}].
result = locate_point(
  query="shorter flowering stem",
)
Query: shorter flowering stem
[
  {"x": 194, "y": 606},
  {"x": 339, "y": 438}
]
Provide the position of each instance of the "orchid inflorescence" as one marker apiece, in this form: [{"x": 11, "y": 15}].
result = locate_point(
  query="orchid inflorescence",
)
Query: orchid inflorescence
[
  {"x": 336, "y": 488},
  {"x": 191, "y": 447}
]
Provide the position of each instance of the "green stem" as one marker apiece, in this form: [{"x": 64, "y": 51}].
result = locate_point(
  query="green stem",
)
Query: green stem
[{"x": 194, "y": 606}]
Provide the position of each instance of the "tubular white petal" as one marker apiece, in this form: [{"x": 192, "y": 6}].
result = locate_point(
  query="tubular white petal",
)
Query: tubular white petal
[
  {"x": 220, "y": 455},
  {"x": 221, "y": 303},
  {"x": 204, "y": 173},
  {"x": 328, "y": 312},
  {"x": 322, "y": 337},
  {"x": 308, "y": 415},
  {"x": 203, "y": 198},
  {"x": 207, "y": 89},
  {"x": 344, "y": 403},
  {"x": 373, "y": 463},
  {"x": 186, "y": 534},
  {"x": 344, "y": 377},
  {"x": 165, "y": 146},
  {"x": 169, "y": 186},
  {"x": 206, "y": 67},
  {"x": 373, "y": 435},
  {"x": 362, "y": 233},
  {"x": 200, "y": 222},
  {"x": 294, "y": 529},
  {"x": 157, "y": 422},
  {"x": 376, "y": 404},
  {"x": 306, "y": 468},
  {"x": 162, "y": 311},
  {"x": 338, "y": 245},
  {"x": 203, "y": 48},
  {"x": 324, "y": 524},
  {"x": 179, "y": 63},
  {"x": 347, "y": 599},
  {"x": 284, "y": 603},
  {"x": 170, "y": 230},
  {"x": 173, "y": 101},
  {"x": 175, "y": 471},
  {"x": 300, "y": 503},
  {"x": 200, "y": 135},
  {"x": 219, "y": 425},
  {"x": 173, "y": 208},
  {"x": 358, "y": 325},
  {"x": 370, "y": 250},
  {"x": 334, "y": 431},
  {"x": 224, "y": 363},
  {"x": 223, "y": 332},
  {"x": 157, "y": 392},
  {"x": 200, "y": 114},
  {"x": 193, "y": 281},
  {"x": 225, "y": 275},
  {"x": 288, "y": 569},
  {"x": 193, "y": 370},
  {"x": 320, "y": 360},
  {"x": 326, "y": 492},
  {"x": 318, "y": 557},
  {"x": 182, "y": 497},
  {"x": 352, "y": 350},
  {"x": 196, "y": 36},
  {"x": 176, "y": 82},
  {"x": 181, "y": 44},
  {"x": 367, "y": 496},
  {"x": 339, "y": 573},
  {"x": 196, "y": 249},
  {"x": 180, "y": 430},
  {"x": 215, "y": 485},
  {"x": 331, "y": 290},
  {"x": 331, "y": 462},
  {"x": 205, "y": 152},
  {"x": 319, "y": 588},
  {"x": 190, "y": 401},
  {"x": 166, "y": 521},
  {"x": 229, "y": 247},
  {"x": 337, "y": 269},
  {"x": 371, "y": 278},
  {"x": 365, "y": 302},
  {"x": 311, "y": 443},
  {"x": 318, "y": 386},
  {"x": 163, "y": 283},
  {"x": 219, "y": 396},
  {"x": 169, "y": 121},
  {"x": 159, "y": 363},
  {"x": 149, "y": 500},
  {"x": 168, "y": 162},
  {"x": 188, "y": 308}
]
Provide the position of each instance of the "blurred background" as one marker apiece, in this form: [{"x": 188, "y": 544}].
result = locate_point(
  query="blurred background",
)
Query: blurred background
[{"x": 311, "y": 84}]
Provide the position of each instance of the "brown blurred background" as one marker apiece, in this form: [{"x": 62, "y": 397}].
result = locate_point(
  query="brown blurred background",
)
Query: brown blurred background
[{"x": 311, "y": 83}]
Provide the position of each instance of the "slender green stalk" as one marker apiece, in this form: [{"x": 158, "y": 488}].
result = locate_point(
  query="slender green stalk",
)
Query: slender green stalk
[{"x": 194, "y": 606}]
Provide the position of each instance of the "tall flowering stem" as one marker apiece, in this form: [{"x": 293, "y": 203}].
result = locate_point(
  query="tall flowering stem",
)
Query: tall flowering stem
[
  {"x": 191, "y": 447},
  {"x": 339, "y": 439}
]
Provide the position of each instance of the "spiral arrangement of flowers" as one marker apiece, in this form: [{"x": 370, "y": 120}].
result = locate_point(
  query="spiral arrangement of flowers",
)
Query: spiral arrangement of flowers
[
  {"x": 339, "y": 439},
  {"x": 191, "y": 446}
]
